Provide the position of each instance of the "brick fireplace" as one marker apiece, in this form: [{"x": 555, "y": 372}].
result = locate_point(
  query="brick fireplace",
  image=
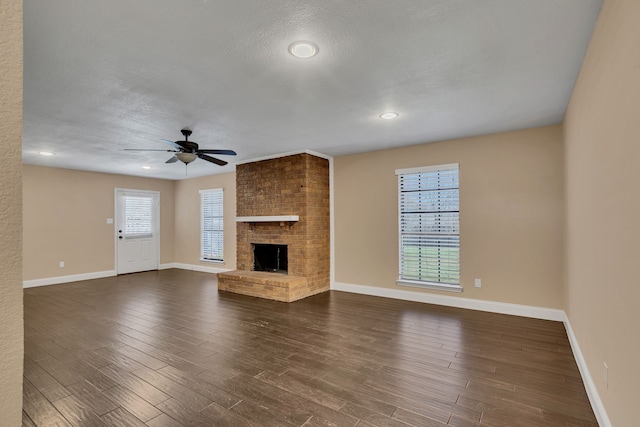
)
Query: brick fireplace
[{"x": 284, "y": 202}]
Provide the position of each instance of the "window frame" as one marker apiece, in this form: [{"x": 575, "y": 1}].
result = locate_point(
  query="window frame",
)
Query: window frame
[
  {"x": 457, "y": 287},
  {"x": 203, "y": 194}
]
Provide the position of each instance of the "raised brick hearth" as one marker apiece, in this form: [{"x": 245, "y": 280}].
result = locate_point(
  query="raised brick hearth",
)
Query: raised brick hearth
[
  {"x": 291, "y": 185},
  {"x": 280, "y": 287}
]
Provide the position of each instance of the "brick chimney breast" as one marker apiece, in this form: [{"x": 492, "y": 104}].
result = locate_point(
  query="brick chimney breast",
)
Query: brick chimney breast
[{"x": 290, "y": 185}]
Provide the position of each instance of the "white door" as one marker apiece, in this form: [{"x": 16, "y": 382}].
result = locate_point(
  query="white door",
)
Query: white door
[{"x": 137, "y": 230}]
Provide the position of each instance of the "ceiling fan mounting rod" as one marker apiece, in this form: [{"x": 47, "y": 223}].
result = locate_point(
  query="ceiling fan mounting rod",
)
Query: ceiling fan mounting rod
[{"x": 186, "y": 133}]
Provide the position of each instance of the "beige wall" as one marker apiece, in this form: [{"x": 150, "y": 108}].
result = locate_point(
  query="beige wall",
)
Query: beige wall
[
  {"x": 511, "y": 220},
  {"x": 65, "y": 213},
  {"x": 602, "y": 136},
  {"x": 11, "y": 326},
  {"x": 187, "y": 219}
]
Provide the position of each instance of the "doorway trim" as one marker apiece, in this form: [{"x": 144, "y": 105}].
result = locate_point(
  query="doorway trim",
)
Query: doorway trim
[{"x": 156, "y": 224}]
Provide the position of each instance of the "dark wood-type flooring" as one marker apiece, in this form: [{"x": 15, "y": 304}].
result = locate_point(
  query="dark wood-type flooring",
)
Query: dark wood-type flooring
[{"x": 165, "y": 349}]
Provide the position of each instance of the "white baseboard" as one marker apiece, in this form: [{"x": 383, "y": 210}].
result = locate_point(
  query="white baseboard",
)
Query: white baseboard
[
  {"x": 67, "y": 279},
  {"x": 193, "y": 267},
  {"x": 450, "y": 301},
  {"x": 587, "y": 379},
  {"x": 110, "y": 273}
]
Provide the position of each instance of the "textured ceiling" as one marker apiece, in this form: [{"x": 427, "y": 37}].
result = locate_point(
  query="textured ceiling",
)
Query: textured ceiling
[{"x": 102, "y": 76}]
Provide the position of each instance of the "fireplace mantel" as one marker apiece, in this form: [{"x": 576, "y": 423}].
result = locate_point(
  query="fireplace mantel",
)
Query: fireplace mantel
[{"x": 265, "y": 218}]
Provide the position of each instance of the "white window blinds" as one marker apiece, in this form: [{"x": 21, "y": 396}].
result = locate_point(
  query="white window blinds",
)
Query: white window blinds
[
  {"x": 138, "y": 219},
  {"x": 429, "y": 225},
  {"x": 211, "y": 214}
]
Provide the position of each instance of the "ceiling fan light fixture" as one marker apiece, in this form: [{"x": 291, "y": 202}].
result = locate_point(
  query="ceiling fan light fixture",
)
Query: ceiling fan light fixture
[
  {"x": 186, "y": 158},
  {"x": 303, "y": 49},
  {"x": 390, "y": 115}
]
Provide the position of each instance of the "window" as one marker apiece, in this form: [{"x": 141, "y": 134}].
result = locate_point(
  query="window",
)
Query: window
[
  {"x": 211, "y": 214},
  {"x": 429, "y": 219},
  {"x": 138, "y": 216}
]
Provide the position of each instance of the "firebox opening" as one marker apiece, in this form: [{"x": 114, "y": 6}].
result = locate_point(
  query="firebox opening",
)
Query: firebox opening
[{"x": 272, "y": 258}]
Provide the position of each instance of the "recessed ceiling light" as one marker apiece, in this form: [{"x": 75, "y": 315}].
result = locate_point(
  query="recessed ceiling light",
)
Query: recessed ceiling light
[
  {"x": 146, "y": 167},
  {"x": 303, "y": 49},
  {"x": 389, "y": 115},
  {"x": 46, "y": 153}
]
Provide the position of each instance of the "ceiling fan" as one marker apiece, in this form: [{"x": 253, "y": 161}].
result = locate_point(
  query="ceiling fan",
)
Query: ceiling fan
[{"x": 187, "y": 151}]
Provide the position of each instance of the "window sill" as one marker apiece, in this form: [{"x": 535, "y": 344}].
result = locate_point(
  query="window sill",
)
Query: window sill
[
  {"x": 212, "y": 261},
  {"x": 430, "y": 285}
]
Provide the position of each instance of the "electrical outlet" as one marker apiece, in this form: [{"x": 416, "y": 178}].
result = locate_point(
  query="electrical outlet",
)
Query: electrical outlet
[
  {"x": 478, "y": 283},
  {"x": 61, "y": 264},
  {"x": 605, "y": 373},
  {"x": 109, "y": 220}
]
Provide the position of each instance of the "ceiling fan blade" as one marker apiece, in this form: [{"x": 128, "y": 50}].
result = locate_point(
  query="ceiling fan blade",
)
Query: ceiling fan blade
[
  {"x": 175, "y": 144},
  {"x": 223, "y": 152},
  {"x": 149, "y": 149},
  {"x": 172, "y": 160},
  {"x": 211, "y": 159}
]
